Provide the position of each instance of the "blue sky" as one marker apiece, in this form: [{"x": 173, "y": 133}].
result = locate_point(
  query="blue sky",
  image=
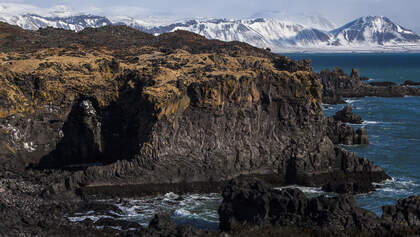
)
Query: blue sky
[{"x": 404, "y": 12}]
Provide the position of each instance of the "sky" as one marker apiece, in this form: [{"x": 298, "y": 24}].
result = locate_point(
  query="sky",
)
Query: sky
[{"x": 403, "y": 12}]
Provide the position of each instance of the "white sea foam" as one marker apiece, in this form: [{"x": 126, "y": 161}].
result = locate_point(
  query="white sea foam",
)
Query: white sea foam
[
  {"x": 195, "y": 207},
  {"x": 350, "y": 101},
  {"x": 183, "y": 213},
  {"x": 82, "y": 218},
  {"x": 170, "y": 196},
  {"x": 311, "y": 191},
  {"x": 400, "y": 186},
  {"x": 370, "y": 122}
]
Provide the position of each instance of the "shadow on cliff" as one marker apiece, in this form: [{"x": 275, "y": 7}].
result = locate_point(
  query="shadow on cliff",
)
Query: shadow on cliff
[{"x": 100, "y": 136}]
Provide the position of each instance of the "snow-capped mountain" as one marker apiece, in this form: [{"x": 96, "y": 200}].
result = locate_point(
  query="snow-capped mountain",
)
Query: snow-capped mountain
[
  {"x": 312, "y": 21},
  {"x": 259, "y": 32},
  {"x": 76, "y": 23},
  {"x": 373, "y": 30},
  {"x": 32, "y": 18},
  {"x": 274, "y": 30}
]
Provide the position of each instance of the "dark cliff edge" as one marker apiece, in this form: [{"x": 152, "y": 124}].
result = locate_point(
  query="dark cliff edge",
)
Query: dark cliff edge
[{"x": 104, "y": 108}]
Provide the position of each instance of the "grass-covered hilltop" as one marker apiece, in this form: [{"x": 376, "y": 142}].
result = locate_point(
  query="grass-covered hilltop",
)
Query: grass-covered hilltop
[{"x": 114, "y": 112}]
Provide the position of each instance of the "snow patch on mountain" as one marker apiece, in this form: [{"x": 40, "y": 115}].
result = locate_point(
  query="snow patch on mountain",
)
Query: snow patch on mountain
[
  {"x": 273, "y": 29},
  {"x": 374, "y": 30},
  {"x": 311, "y": 21}
]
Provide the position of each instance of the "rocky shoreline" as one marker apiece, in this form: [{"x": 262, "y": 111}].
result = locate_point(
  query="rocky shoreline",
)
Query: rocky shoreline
[
  {"x": 250, "y": 204},
  {"x": 337, "y": 85},
  {"x": 114, "y": 112}
]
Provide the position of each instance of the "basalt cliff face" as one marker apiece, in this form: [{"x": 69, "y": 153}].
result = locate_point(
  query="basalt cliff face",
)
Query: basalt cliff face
[{"x": 177, "y": 108}]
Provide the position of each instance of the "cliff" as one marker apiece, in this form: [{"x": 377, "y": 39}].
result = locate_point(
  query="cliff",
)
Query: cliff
[{"x": 116, "y": 106}]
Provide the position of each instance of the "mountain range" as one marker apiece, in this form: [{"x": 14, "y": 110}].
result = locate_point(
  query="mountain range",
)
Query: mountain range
[{"x": 279, "y": 33}]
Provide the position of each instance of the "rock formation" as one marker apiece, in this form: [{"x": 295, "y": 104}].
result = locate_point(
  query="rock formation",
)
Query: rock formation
[
  {"x": 250, "y": 204},
  {"x": 207, "y": 112},
  {"x": 411, "y": 83},
  {"x": 112, "y": 106},
  {"x": 346, "y": 115},
  {"x": 337, "y": 85},
  {"x": 341, "y": 133}
]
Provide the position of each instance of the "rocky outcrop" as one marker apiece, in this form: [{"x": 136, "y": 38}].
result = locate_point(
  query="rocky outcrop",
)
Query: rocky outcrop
[
  {"x": 337, "y": 85},
  {"x": 341, "y": 133},
  {"x": 411, "y": 83},
  {"x": 251, "y": 203},
  {"x": 346, "y": 115}
]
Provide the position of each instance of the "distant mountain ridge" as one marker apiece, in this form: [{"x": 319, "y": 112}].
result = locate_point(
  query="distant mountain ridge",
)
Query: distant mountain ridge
[
  {"x": 76, "y": 23},
  {"x": 280, "y": 34},
  {"x": 374, "y": 30}
]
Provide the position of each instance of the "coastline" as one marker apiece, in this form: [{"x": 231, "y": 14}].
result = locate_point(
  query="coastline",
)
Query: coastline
[{"x": 177, "y": 113}]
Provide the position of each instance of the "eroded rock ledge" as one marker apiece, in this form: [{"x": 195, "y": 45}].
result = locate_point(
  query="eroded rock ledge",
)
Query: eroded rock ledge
[{"x": 249, "y": 204}]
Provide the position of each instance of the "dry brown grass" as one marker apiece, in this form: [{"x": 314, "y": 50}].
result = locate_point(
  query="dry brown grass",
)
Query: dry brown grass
[{"x": 63, "y": 74}]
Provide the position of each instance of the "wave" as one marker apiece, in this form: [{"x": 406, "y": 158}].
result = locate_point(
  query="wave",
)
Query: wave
[
  {"x": 195, "y": 209},
  {"x": 311, "y": 191},
  {"x": 370, "y": 122},
  {"x": 350, "y": 101},
  {"x": 94, "y": 218},
  {"x": 398, "y": 186}
]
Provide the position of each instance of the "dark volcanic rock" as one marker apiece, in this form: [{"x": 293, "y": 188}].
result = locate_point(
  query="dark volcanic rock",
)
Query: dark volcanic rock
[
  {"x": 162, "y": 225},
  {"x": 346, "y": 115},
  {"x": 112, "y": 106},
  {"x": 338, "y": 85},
  {"x": 289, "y": 207},
  {"x": 405, "y": 213},
  {"x": 348, "y": 169},
  {"x": 411, "y": 83},
  {"x": 361, "y": 136},
  {"x": 383, "y": 83},
  {"x": 180, "y": 118},
  {"x": 348, "y": 188},
  {"x": 124, "y": 225},
  {"x": 342, "y": 133},
  {"x": 267, "y": 207}
]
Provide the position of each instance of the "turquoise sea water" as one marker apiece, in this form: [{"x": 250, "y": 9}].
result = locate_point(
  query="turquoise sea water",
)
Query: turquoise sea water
[
  {"x": 393, "y": 123},
  {"x": 394, "y": 131}
]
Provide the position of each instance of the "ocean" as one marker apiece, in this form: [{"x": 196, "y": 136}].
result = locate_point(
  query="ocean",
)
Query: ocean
[
  {"x": 393, "y": 123},
  {"x": 394, "y": 133}
]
